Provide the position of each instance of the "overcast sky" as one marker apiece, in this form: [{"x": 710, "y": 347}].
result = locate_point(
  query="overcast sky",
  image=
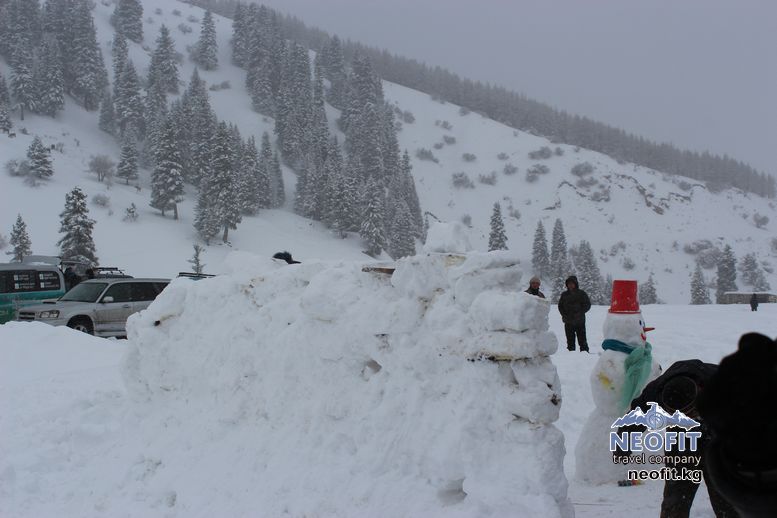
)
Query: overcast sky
[{"x": 699, "y": 73}]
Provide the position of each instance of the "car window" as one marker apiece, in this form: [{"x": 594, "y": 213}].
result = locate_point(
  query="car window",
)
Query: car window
[
  {"x": 159, "y": 286},
  {"x": 121, "y": 292},
  {"x": 85, "y": 292},
  {"x": 48, "y": 281},
  {"x": 143, "y": 291},
  {"x": 19, "y": 281}
]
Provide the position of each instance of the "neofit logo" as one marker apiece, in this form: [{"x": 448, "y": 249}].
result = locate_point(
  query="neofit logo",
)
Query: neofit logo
[{"x": 656, "y": 438}]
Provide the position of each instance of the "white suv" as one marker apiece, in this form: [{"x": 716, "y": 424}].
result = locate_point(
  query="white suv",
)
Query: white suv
[{"x": 98, "y": 306}]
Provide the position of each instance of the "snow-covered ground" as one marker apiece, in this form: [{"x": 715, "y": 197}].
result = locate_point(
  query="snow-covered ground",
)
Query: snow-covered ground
[{"x": 314, "y": 390}]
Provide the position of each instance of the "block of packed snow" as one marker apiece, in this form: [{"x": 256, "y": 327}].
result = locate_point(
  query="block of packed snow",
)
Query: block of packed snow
[
  {"x": 447, "y": 237},
  {"x": 420, "y": 276},
  {"x": 496, "y": 310},
  {"x": 468, "y": 286},
  {"x": 519, "y": 345}
]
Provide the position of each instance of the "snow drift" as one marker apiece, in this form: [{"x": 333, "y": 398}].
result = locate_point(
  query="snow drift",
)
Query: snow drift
[{"x": 320, "y": 389}]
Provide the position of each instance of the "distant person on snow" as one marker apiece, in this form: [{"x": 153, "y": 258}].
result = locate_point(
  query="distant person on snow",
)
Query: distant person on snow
[
  {"x": 754, "y": 302},
  {"x": 573, "y": 305},
  {"x": 738, "y": 405},
  {"x": 534, "y": 288},
  {"x": 678, "y": 389},
  {"x": 285, "y": 256}
]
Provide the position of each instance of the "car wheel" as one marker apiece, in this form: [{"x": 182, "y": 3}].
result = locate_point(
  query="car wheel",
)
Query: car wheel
[{"x": 82, "y": 324}]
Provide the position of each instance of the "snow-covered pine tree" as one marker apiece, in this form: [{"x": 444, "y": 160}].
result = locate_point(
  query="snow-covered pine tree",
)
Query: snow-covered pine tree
[
  {"x": 700, "y": 294},
  {"x": 647, "y": 291},
  {"x": 84, "y": 72},
  {"x": 127, "y": 18},
  {"x": 40, "y": 160},
  {"x": 727, "y": 273},
  {"x": 77, "y": 228},
  {"x": 752, "y": 273},
  {"x": 48, "y": 79},
  {"x": 107, "y": 115},
  {"x": 411, "y": 195},
  {"x": 560, "y": 265},
  {"x": 294, "y": 107},
  {"x": 260, "y": 88},
  {"x": 540, "y": 259},
  {"x": 199, "y": 127},
  {"x": 120, "y": 55},
  {"x": 5, "y": 95},
  {"x": 155, "y": 115},
  {"x": 251, "y": 193},
  {"x": 20, "y": 240},
  {"x": 206, "y": 51},
  {"x": 163, "y": 68},
  {"x": 167, "y": 178},
  {"x": 588, "y": 274},
  {"x": 239, "y": 34},
  {"x": 128, "y": 103},
  {"x": 196, "y": 261},
  {"x": 23, "y": 87},
  {"x": 5, "y": 119},
  {"x": 320, "y": 127},
  {"x": 497, "y": 239},
  {"x": 334, "y": 70},
  {"x": 128, "y": 162},
  {"x": 222, "y": 183},
  {"x": 373, "y": 230},
  {"x": 401, "y": 239}
]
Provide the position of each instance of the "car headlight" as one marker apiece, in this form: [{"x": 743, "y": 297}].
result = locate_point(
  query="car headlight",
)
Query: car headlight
[{"x": 50, "y": 314}]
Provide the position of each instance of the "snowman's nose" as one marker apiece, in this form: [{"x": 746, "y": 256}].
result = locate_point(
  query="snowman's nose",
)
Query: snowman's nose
[{"x": 646, "y": 329}]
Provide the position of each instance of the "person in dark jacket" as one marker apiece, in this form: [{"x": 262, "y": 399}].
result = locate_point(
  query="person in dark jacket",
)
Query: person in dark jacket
[
  {"x": 573, "y": 305},
  {"x": 738, "y": 404},
  {"x": 71, "y": 278},
  {"x": 534, "y": 288},
  {"x": 754, "y": 302},
  {"x": 285, "y": 256},
  {"x": 678, "y": 389}
]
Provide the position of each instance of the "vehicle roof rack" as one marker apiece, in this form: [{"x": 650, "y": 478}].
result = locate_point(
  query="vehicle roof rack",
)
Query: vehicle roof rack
[{"x": 109, "y": 272}]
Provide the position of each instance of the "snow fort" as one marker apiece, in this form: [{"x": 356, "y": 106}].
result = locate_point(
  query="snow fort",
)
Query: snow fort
[{"x": 320, "y": 389}]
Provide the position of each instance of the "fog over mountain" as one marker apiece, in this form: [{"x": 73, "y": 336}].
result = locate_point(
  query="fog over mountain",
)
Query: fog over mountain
[{"x": 694, "y": 73}]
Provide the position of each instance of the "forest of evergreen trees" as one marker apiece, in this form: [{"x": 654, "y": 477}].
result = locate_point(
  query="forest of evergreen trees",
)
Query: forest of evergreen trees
[{"x": 520, "y": 112}]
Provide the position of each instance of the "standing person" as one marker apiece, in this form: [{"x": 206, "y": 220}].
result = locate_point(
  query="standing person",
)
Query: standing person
[
  {"x": 534, "y": 287},
  {"x": 71, "y": 278},
  {"x": 754, "y": 302},
  {"x": 678, "y": 389},
  {"x": 573, "y": 305}
]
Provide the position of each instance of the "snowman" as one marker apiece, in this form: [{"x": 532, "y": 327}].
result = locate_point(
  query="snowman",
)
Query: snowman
[{"x": 620, "y": 374}]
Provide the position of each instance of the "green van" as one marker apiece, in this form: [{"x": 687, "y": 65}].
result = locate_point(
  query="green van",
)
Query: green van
[{"x": 22, "y": 284}]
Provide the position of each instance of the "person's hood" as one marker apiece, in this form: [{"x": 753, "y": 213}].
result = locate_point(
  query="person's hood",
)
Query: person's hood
[{"x": 572, "y": 278}]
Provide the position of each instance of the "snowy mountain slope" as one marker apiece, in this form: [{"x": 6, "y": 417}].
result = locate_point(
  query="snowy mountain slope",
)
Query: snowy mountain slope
[{"x": 651, "y": 213}]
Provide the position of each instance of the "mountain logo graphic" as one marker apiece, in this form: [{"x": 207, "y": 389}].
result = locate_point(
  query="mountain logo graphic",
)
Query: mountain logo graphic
[{"x": 656, "y": 419}]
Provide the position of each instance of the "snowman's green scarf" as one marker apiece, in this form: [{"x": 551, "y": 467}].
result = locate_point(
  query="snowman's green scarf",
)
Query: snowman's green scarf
[{"x": 638, "y": 364}]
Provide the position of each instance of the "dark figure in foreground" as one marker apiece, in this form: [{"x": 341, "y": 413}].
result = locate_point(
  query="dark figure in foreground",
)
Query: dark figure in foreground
[
  {"x": 285, "y": 256},
  {"x": 754, "y": 302},
  {"x": 71, "y": 278},
  {"x": 739, "y": 406},
  {"x": 534, "y": 288},
  {"x": 678, "y": 389},
  {"x": 573, "y": 305}
]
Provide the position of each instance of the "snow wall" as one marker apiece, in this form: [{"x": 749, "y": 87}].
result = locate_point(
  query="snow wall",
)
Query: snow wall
[{"x": 320, "y": 389}]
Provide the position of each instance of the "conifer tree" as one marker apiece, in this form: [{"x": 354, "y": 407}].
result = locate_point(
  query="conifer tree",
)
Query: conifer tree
[
  {"x": 120, "y": 54},
  {"x": 48, "y": 79},
  {"x": 164, "y": 69},
  {"x": 128, "y": 19},
  {"x": 167, "y": 178},
  {"x": 76, "y": 227},
  {"x": 276, "y": 181},
  {"x": 206, "y": 53},
  {"x": 107, "y": 115},
  {"x": 196, "y": 260},
  {"x": 411, "y": 195},
  {"x": 497, "y": 239},
  {"x": 401, "y": 233},
  {"x": 220, "y": 203},
  {"x": 727, "y": 273},
  {"x": 560, "y": 265},
  {"x": 128, "y": 162},
  {"x": 588, "y": 273},
  {"x": 5, "y": 119},
  {"x": 752, "y": 273},
  {"x": 85, "y": 74},
  {"x": 647, "y": 291},
  {"x": 334, "y": 70},
  {"x": 40, "y": 160},
  {"x": 240, "y": 28},
  {"x": 540, "y": 259},
  {"x": 20, "y": 240},
  {"x": 373, "y": 230},
  {"x": 23, "y": 87},
  {"x": 5, "y": 95},
  {"x": 700, "y": 294},
  {"x": 128, "y": 104}
]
